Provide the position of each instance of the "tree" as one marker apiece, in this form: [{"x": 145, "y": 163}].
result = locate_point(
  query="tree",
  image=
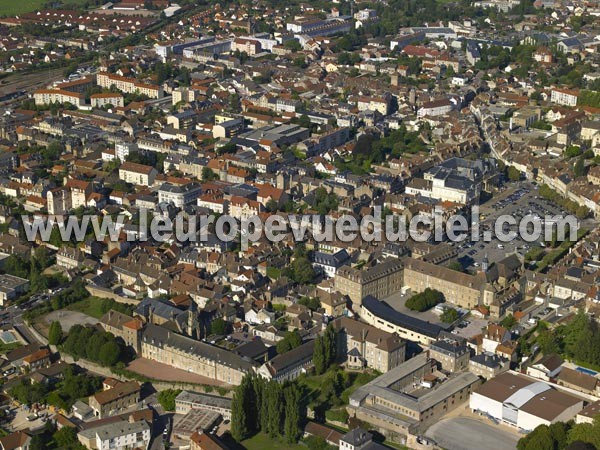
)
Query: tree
[
  {"x": 425, "y": 300},
  {"x": 240, "y": 404},
  {"x": 319, "y": 356},
  {"x": 290, "y": 341},
  {"x": 579, "y": 167},
  {"x": 513, "y": 173},
  {"x": 55, "y": 334},
  {"x": 208, "y": 174},
  {"x": 291, "y": 424},
  {"x": 455, "y": 265},
  {"x": 218, "y": 326},
  {"x": 274, "y": 409},
  {"x": 508, "y": 322},
  {"x": 450, "y": 315},
  {"x": 66, "y": 438},
  {"x": 167, "y": 397},
  {"x": 110, "y": 353},
  {"x": 311, "y": 303}
]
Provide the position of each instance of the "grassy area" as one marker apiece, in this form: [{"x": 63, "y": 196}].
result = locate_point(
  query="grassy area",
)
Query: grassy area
[
  {"x": 5, "y": 348},
  {"x": 14, "y": 7},
  {"x": 263, "y": 442},
  {"x": 88, "y": 306},
  {"x": 97, "y": 307}
]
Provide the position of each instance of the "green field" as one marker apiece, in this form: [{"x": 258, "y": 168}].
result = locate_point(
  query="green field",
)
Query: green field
[
  {"x": 263, "y": 442},
  {"x": 14, "y": 7}
]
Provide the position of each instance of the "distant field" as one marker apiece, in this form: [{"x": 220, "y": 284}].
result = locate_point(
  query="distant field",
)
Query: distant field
[{"x": 14, "y": 7}]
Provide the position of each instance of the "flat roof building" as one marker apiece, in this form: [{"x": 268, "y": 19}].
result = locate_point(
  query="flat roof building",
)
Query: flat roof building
[{"x": 524, "y": 403}]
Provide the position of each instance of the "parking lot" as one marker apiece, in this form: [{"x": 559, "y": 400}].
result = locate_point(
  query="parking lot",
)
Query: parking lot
[
  {"x": 465, "y": 433},
  {"x": 520, "y": 201}
]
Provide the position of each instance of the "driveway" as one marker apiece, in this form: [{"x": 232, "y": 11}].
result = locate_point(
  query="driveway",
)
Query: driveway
[{"x": 463, "y": 433}]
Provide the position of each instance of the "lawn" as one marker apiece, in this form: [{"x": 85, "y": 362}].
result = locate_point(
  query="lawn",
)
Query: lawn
[
  {"x": 14, "y": 7},
  {"x": 89, "y": 306},
  {"x": 263, "y": 442}
]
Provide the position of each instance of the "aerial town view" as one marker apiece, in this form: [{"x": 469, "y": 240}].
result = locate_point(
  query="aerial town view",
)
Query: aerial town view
[{"x": 299, "y": 224}]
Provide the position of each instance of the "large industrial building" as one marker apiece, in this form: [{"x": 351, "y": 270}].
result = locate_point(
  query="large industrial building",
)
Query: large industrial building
[{"x": 524, "y": 403}]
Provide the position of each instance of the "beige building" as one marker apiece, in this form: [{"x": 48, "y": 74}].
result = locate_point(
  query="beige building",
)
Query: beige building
[
  {"x": 452, "y": 355},
  {"x": 362, "y": 345},
  {"x": 111, "y": 401},
  {"x": 128, "y": 85},
  {"x": 138, "y": 174},
  {"x": 380, "y": 280},
  {"x": 48, "y": 96},
  {"x": 164, "y": 346},
  {"x": 461, "y": 289},
  {"x": 121, "y": 325},
  {"x": 411, "y": 396},
  {"x": 100, "y": 100}
]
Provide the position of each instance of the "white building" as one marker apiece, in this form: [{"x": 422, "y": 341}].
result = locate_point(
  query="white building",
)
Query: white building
[
  {"x": 564, "y": 97},
  {"x": 124, "y": 149},
  {"x": 112, "y": 99},
  {"x": 48, "y": 96},
  {"x": 524, "y": 403},
  {"x": 121, "y": 435}
]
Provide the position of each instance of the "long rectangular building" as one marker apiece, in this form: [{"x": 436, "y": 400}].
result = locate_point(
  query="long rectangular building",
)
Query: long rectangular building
[
  {"x": 164, "y": 346},
  {"x": 462, "y": 289},
  {"x": 128, "y": 85}
]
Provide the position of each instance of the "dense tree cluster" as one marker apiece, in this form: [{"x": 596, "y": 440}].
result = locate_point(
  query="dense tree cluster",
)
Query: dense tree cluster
[
  {"x": 167, "y": 398},
  {"x": 425, "y": 300},
  {"x": 61, "y": 395},
  {"x": 290, "y": 341},
  {"x": 549, "y": 194},
  {"x": 563, "y": 436},
  {"x": 94, "y": 345},
  {"x": 55, "y": 334},
  {"x": 325, "y": 351},
  {"x": 371, "y": 149},
  {"x": 267, "y": 406}
]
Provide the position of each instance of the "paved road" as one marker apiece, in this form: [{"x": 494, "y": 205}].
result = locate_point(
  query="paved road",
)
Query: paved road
[{"x": 462, "y": 433}]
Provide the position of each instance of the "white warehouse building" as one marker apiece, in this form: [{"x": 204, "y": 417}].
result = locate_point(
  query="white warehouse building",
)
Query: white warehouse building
[{"x": 524, "y": 403}]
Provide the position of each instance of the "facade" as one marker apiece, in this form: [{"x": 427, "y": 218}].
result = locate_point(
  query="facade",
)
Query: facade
[
  {"x": 452, "y": 355},
  {"x": 381, "y": 315},
  {"x": 120, "y": 397},
  {"x": 108, "y": 99},
  {"x": 380, "y": 280},
  {"x": 49, "y": 96},
  {"x": 361, "y": 345},
  {"x": 128, "y": 85},
  {"x": 564, "y": 97},
  {"x": 179, "y": 196},
  {"x": 410, "y": 397},
  {"x": 138, "y": 174},
  {"x": 120, "y": 435},
  {"x": 166, "y": 347},
  {"x": 523, "y": 403},
  {"x": 488, "y": 365},
  {"x": 461, "y": 289},
  {"x": 290, "y": 365}
]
